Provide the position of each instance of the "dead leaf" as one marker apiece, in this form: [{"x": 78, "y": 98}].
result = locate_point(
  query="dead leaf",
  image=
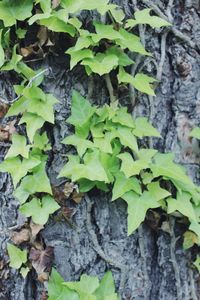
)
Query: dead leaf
[
  {"x": 25, "y": 52},
  {"x": 19, "y": 237},
  {"x": 6, "y": 131},
  {"x": 42, "y": 35},
  {"x": 42, "y": 261},
  {"x": 44, "y": 295},
  {"x": 67, "y": 212},
  {"x": 55, "y": 3},
  {"x": 62, "y": 192},
  {"x": 165, "y": 226},
  {"x": 77, "y": 197},
  {"x": 35, "y": 229},
  {"x": 3, "y": 108},
  {"x": 68, "y": 189}
]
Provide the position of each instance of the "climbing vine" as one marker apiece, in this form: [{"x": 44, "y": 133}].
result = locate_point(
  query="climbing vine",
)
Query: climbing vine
[{"x": 111, "y": 153}]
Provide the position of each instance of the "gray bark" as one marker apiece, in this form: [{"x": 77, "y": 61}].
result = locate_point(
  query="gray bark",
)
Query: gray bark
[{"x": 151, "y": 263}]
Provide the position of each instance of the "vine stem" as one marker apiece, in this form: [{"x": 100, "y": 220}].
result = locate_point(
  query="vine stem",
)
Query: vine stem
[{"x": 110, "y": 88}]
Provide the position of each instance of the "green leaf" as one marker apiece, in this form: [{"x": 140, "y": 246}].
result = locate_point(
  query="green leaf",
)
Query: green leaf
[
  {"x": 195, "y": 133},
  {"x": 104, "y": 143},
  {"x": 39, "y": 210},
  {"x": 13, "y": 63},
  {"x": 190, "y": 239},
  {"x": 127, "y": 138},
  {"x": 101, "y": 63},
  {"x": 42, "y": 108},
  {"x": 18, "y": 147},
  {"x": 86, "y": 286},
  {"x": 144, "y": 17},
  {"x": 123, "y": 117},
  {"x": 41, "y": 142},
  {"x": 45, "y": 5},
  {"x": 56, "y": 289},
  {"x": 12, "y": 10},
  {"x": 57, "y": 25},
  {"x": 82, "y": 110},
  {"x": 78, "y": 55},
  {"x": 144, "y": 128},
  {"x": 18, "y": 168},
  {"x": 79, "y": 5},
  {"x": 24, "y": 272},
  {"x": 105, "y": 32},
  {"x": 18, "y": 107},
  {"x": 33, "y": 123},
  {"x": 197, "y": 263},
  {"x": 141, "y": 81},
  {"x": 21, "y": 33},
  {"x": 81, "y": 144},
  {"x": 137, "y": 208},
  {"x": 130, "y": 167},
  {"x": 157, "y": 192},
  {"x": 131, "y": 41},
  {"x": 195, "y": 227},
  {"x": 123, "y": 185},
  {"x": 17, "y": 256},
  {"x": 183, "y": 205},
  {"x": 2, "y": 55},
  {"x": 106, "y": 286}
]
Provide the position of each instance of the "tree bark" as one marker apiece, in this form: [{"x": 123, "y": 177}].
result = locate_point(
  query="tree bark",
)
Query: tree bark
[{"x": 151, "y": 263}]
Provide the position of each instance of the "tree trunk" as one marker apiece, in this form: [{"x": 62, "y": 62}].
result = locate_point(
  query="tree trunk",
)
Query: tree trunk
[{"x": 151, "y": 263}]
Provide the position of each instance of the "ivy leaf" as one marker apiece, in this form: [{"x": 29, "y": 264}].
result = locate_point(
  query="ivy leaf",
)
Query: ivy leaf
[
  {"x": 130, "y": 167},
  {"x": 106, "y": 287},
  {"x": 40, "y": 210},
  {"x": 81, "y": 144},
  {"x": 105, "y": 32},
  {"x": 195, "y": 133},
  {"x": 2, "y": 55},
  {"x": 24, "y": 272},
  {"x": 45, "y": 5},
  {"x": 18, "y": 147},
  {"x": 18, "y": 168},
  {"x": 123, "y": 118},
  {"x": 197, "y": 263},
  {"x": 82, "y": 110},
  {"x": 43, "y": 109},
  {"x": 131, "y": 41},
  {"x": 78, "y": 5},
  {"x": 14, "y": 62},
  {"x": 57, "y": 25},
  {"x": 157, "y": 192},
  {"x": 190, "y": 239},
  {"x": 33, "y": 123},
  {"x": 78, "y": 55},
  {"x": 101, "y": 63},
  {"x": 123, "y": 185},
  {"x": 11, "y": 11},
  {"x": 17, "y": 256},
  {"x": 127, "y": 138},
  {"x": 18, "y": 107},
  {"x": 141, "y": 81},
  {"x": 144, "y": 17},
  {"x": 163, "y": 165},
  {"x": 104, "y": 143},
  {"x": 110, "y": 164},
  {"x": 137, "y": 208},
  {"x": 56, "y": 289},
  {"x": 41, "y": 142},
  {"x": 195, "y": 227},
  {"x": 183, "y": 205},
  {"x": 144, "y": 128},
  {"x": 85, "y": 287}
]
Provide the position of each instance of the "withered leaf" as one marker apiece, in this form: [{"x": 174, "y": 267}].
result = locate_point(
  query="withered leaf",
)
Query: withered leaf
[
  {"x": 42, "y": 261},
  {"x": 55, "y": 3},
  {"x": 77, "y": 197},
  {"x": 19, "y": 237},
  {"x": 35, "y": 229},
  {"x": 7, "y": 131},
  {"x": 42, "y": 35},
  {"x": 68, "y": 189},
  {"x": 3, "y": 108}
]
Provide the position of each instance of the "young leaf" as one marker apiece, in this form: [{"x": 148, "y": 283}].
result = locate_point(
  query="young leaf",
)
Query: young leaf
[
  {"x": 81, "y": 144},
  {"x": 123, "y": 118},
  {"x": 144, "y": 17},
  {"x": 82, "y": 110},
  {"x": 144, "y": 128},
  {"x": 33, "y": 123},
  {"x": 104, "y": 143},
  {"x": 78, "y": 55},
  {"x": 105, "y": 32},
  {"x": 123, "y": 185},
  {"x": 11, "y": 11},
  {"x": 106, "y": 287},
  {"x": 18, "y": 168},
  {"x": 85, "y": 287},
  {"x": 24, "y": 272},
  {"x": 40, "y": 210},
  {"x": 137, "y": 208},
  {"x": 17, "y": 256},
  {"x": 41, "y": 142},
  {"x": 18, "y": 147},
  {"x": 141, "y": 81},
  {"x": 195, "y": 133},
  {"x": 127, "y": 138},
  {"x": 78, "y": 5},
  {"x": 157, "y": 192},
  {"x": 56, "y": 289}
]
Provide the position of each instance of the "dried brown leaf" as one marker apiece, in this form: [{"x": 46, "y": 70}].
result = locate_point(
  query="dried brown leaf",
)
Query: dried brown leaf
[
  {"x": 42, "y": 35},
  {"x": 68, "y": 189},
  {"x": 35, "y": 229},
  {"x": 77, "y": 197},
  {"x": 3, "y": 108},
  {"x": 19, "y": 237},
  {"x": 55, "y": 3}
]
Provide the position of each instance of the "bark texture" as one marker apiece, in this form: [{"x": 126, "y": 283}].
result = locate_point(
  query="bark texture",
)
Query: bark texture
[{"x": 150, "y": 264}]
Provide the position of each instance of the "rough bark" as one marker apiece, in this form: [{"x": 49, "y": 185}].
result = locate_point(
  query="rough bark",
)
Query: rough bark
[{"x": 150, "y": 264}]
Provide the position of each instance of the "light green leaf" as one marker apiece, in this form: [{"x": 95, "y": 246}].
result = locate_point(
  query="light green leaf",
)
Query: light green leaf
[
  {"x": 82, "y": 42},
  {"x": 144, "y": 128},
  {"x": 123, "y": 185},
  {"x": 104, "y": 143},
  {"x": 45, "y": 5},
  {"x": 137, "y": 208},
  {"x": 105, "y": 32},
  {"x": 18, "y": 107},
  {"x": 123, "y": 59},
  {"x": 127, "y": 138},
  {"x": 39, "y": 210},
  {"x": 82, "y": 110},
  {"x": 197, "y": 263},
  {"x": 183, "y": 205},
  {"x": 81, "y": 144},
  {"x": 13, "y": 63},
  {"x": 18, "y": 168},
  {"x": 18, "y": 147},
  {"x": 78, "y": 55},
  {"x": 41, "y": 142},
  {"x": 11, "y": 11},
  {"x": 79, "y": 5},
  {"x": 195, "y": 227},
  {"x": 101, "y": 63},
  {"x": 141, "y": 81},
  {"x": 106, "y": 286},
  {"x": 56, "y": 289},
  {"x": 131, "y": 41},
  {"x": 157, "y": 192},
  {"x": 195, "y": 133},
  {"x": 144, "y": 17},
  {"x": 86, "y": 286},
  {"x": 123, "y": 118},
  {"x": 57, "y": 25},
  {"x": 21, "y": 33},
  {"x": 24, "y": 271},
  {"x": 2, "y": 55},
  {"x": 33, "y": 123},
  {"x": 17, "y": 256},
  {"x": 190, "y": 238}
]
